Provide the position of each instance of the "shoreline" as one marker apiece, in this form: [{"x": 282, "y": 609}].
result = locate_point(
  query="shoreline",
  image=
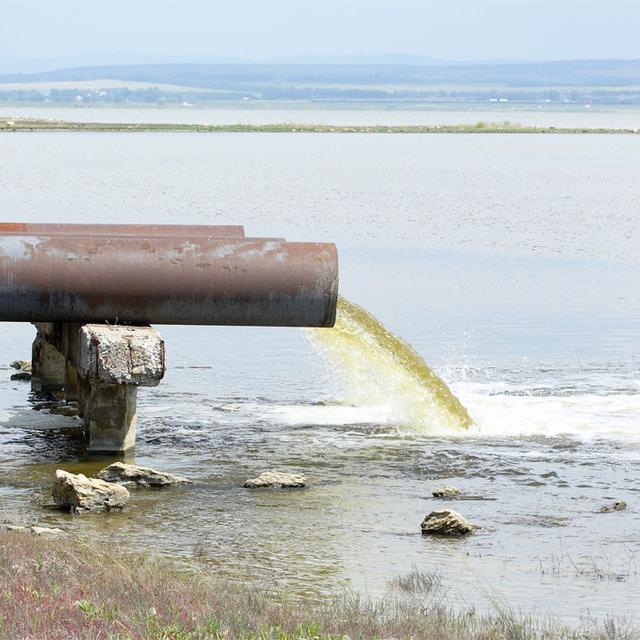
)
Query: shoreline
[{"x": 15, "y": 125}]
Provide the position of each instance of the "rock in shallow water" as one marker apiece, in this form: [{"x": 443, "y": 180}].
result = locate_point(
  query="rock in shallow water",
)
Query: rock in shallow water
[
  {"x": 131, "y": 474},
  {"x": 21, "y": 365},
  {"x": 446, "y": 492},
  {"x": 446, "y": 523},
  {"x": 87, "y": 495},
  {"x": 277, "y": 479},
  {"x": 47, "y": 531},
  {"x": 618, "y": 505},
  {"x": 24, "y": 370},
  {"x": 36, "y": 531}
]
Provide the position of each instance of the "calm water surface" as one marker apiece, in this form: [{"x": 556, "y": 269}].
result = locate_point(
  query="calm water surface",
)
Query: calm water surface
[{"x": 510, "y": 262}]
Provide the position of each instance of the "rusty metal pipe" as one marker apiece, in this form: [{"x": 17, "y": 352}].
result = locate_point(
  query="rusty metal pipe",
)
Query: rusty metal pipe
[
  {"x": 163, "y": 280},
  {"x": 139, "y": 230}
]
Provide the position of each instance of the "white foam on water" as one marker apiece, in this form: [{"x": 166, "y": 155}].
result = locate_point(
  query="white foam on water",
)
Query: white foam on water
[
  {"x": 387, "y": 383},
  {"x": 36, "y": 420},
  {"x": 584, "y": 415},
  {"x": 314, "y": 414}
]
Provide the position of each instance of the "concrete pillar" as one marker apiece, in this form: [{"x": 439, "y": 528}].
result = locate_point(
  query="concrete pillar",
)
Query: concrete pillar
[
  {"x": 110, "y": 363},
  {"x": 100, "y": 367},
  {"x": 110, "y": 416},
  {"x": 71, "y": 383},
  {"x": 84, "y": 396},
  {"x": 47, "y": 365}
]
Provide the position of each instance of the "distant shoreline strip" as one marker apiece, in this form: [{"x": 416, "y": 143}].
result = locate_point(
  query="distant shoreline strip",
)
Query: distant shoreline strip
[{"x": 22, "y": 124}]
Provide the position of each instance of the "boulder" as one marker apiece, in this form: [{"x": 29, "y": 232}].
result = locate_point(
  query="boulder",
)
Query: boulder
[
  {"x": 446, "y": 492},
  {"x": 618, "y": 505},
  {"x": 277, "y": 479},
  {"x": 21, "y": 365},
  {"x": 80, "y": 494},
  {"x": 131, "y": 474},
  {"x": 446, "y": 523}
]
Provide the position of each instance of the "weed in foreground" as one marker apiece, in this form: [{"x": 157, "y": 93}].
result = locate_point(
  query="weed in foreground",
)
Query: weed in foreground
[{"x": 67, "y": 590}]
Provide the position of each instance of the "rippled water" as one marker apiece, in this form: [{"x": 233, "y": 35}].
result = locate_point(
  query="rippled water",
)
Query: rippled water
[{"x": 510, "y": 263}]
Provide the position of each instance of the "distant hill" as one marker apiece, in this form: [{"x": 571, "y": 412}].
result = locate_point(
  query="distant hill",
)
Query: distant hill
[
  {"x": 360, "y": 59},
  {"x": 594, "y": 73},
  {"x": 589, "y": 81}
]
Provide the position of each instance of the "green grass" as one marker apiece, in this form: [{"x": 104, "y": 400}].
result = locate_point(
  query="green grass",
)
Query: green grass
[
  {"x": 64, "y": 589},
  {"x": 18, "y": 124}
]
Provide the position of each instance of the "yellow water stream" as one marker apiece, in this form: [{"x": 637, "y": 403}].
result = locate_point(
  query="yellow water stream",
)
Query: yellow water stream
[{"x": 381, "y": 370}]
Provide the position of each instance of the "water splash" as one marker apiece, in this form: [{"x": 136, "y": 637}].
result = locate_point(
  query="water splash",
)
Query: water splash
[{"x": 379, "y": 369}]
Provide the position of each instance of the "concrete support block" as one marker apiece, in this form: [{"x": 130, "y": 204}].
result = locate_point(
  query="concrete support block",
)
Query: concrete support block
[
  {"x": 47, "y": 365},
  {"x": 111, "y": 415},
  {"x": 110, "y": 363},
  {"x": 115, "y": 354},
  {"x": 71, "y": 383},
  {"x": 84, "y": 395},
  {"x": 101, "y": 367}
]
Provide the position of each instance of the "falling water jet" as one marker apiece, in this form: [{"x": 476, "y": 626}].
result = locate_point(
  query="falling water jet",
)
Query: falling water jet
[{"x": 381, "y": 369}]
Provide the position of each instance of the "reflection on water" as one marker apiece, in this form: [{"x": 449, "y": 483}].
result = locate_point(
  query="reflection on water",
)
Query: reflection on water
[{"x": 489, "y": 255}]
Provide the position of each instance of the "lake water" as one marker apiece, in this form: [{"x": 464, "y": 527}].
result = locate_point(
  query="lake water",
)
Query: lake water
[{"x": 509, "y": 262}]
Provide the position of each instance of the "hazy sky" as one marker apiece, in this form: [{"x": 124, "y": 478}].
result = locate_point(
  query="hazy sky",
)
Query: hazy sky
[{"x": 262, "y": 29}]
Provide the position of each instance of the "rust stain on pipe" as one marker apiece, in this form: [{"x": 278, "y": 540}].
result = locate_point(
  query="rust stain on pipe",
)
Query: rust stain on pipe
[
  {"x": 139, "y": 230},
  {"x": 160, "y": 280}
]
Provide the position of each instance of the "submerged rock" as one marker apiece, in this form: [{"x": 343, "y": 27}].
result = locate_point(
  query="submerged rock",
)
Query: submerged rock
[
  {"x": 37, "y": 531},
  {"x": 58, "y": 407},
  {"x": 446, "y": 523},
  {"x": 131, "y": 474},
  {"x": 446, "y": 492},
  {"x": 22, "y": 376},
  {"x": 47, "y": 531},
  {"x": 277, "y": 479},
  {"x": 87, "y": 495},
  {"x": 65, "y": 409},
  {"x": 618, "y": 505},
  {"x": 15, "y": 528}
]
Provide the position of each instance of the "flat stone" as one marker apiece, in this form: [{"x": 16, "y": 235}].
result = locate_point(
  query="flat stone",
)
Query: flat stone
[
  {"x": 47, "y": 531},
  {"x": 618, "y": 505},
  {"x": 277, "y": 479},
  {"x": 15, "y": 528},
  {"x": 37, "y": 531},
  {"x": 131, "y": 474},
  {"x": 446, "y": 492},
  {"x": 87, "y": 495},
  {"x": 446, "y": 523}
]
